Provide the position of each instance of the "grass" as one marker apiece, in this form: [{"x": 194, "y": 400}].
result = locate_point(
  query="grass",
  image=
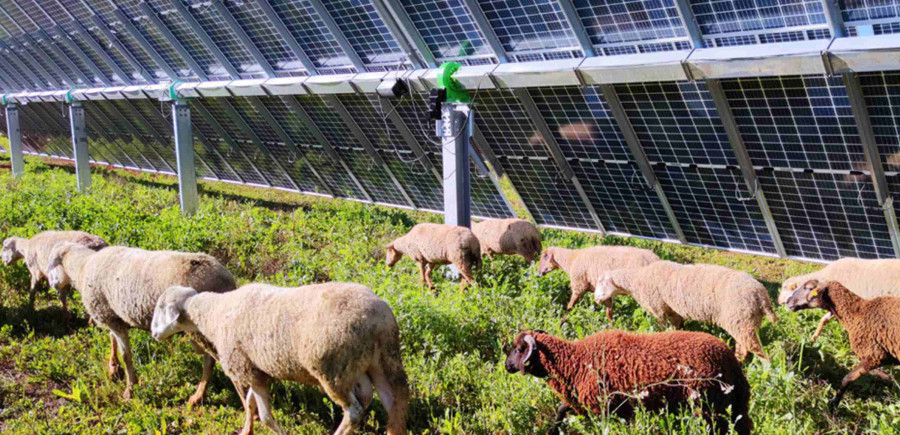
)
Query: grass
[{"x": 53, "y": 381}]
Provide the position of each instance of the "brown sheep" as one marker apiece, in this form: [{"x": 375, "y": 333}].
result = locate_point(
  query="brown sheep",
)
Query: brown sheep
[
  {"x": 36, "y": 250},
  {"x": 872, "y": 325},
  {"x": 508, "y": 237},
  {"x": 615, "y": 371},
  {"x": 584, "y": 266},
  {"x": 434, "y": 244}
]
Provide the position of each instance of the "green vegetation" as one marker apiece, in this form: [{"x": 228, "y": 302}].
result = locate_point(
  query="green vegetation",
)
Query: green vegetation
[{"x": 53, "y": 381}]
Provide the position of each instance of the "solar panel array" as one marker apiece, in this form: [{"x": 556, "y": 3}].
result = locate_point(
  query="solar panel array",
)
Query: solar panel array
[{"x": 576, "y": 159}]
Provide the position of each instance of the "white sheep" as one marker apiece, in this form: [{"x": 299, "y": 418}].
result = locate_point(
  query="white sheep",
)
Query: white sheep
[
  {"x": 338, "y": 336},
  {"x": 120, "y": 286},
  {"x": 508, "y": 237},
  {"x": 36, "y": 250},
  {"x": 732, "y": 299},
  {"x": 868, "y": 279},
  {"x": 584, "y": 266},
  {"x": 433, "y": 244}
]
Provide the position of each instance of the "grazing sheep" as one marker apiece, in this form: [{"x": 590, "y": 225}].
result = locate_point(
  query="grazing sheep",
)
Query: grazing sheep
[
  {"x": 120, "y": 286},
  {"x": 670, "y": 291},
  {"x": 867, "y": 278},
  {"x": 873, "y": 326},
  {"x": 433, "y": 244},
  {"x": 585, "y": 265},
  {"x": 338, "y": 336},
  {"x": 614, "y": 371},
  {"x": 508, "y": 237},
  {"x": 36, "y": 250}
]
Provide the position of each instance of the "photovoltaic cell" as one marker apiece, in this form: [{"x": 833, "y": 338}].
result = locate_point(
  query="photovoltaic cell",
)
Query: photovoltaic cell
[
  {"x": 750, "y": 19},
  {"x": 632, "y": 21},
  {"x": 882, "y": 94},
  {"x": 502, "y": 117},
  {"x": 676, "y": 122},
  {"x": 800, "y": 122},
  {"x": 827, "y": 216},
  {"x": 714, "y": 208},
  {"x": 367, "y": 33},
  {"x": 448, "y": 28},
  {"x": 531, "y": 27},
  {"x": 862, "y": 11},
  {"x": 551, "y": 199}
]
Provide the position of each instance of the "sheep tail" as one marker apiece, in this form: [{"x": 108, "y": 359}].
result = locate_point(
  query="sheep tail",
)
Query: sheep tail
[{"x": 740, "y": 406}]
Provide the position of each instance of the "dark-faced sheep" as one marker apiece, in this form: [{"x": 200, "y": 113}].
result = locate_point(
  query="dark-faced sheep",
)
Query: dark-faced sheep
[
  {"x": 707, "y": 293},
  {"x": 614, "y": 372},
  {"x": 338, "y": 336},
  {"x": 585, "y": 265},
  {"x": 873, "y": 326},
  {"x": 36, "y": 251},
  {"x": 119, "y": 287},
  {"x": 433, "y": 244},
  {"x": 867, "y": 278},
  {"x": 508, "y": 237}
]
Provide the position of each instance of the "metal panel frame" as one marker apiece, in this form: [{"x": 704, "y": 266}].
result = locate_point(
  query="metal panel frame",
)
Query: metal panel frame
[
  {"x": 18, "y": 61},
  {"x": 205, "y": 38},
  {"x": 117, "y": 44},
  {"x": 214, "y": 124},
  {"x": 571, "y": 15},
  {"x": 556, "y": 152},
  {"x": 723, "y": 108},
  {"x": 834, "y": 17},
  {"x": 408, "y": 29},
  {"x": 397, "y": 33},
  {"x": 870, "y": 146},
  {"x": 38, "y": 65},
  {"x": 124, "y": 76},
  {"x": 173, "y": 41},
  {"x": 487, "y": 31},
  {"x": 637, "y": 150},
  {"x": 367, "y": 144},
  {"x": 339, "y": 36},
  {"x": 690, "y": 23},
  {"x": 287, "y": 36},
  {"x": 244, "y": 38},
  {"x": 144, "y": 43}
]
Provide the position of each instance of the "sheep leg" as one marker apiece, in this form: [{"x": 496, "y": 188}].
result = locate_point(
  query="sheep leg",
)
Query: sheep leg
[
  {"x": 208, "y": 364},
  {"x": 861, "y": 369},
  {"x": 881, "y": 374},
  {"x": 428, "y": 269},
  {"x": 249, "y": 410},
  {"x": 260, "y": 390},
  {"x": 609, "y": 307},
  {"x": 825, "y": 319},
  {"x": 64, "y": 301},
  {"x": 353, "y": 414},
  {"x": 576, "y": 295},
  {"x": 35, "y": 279},
  {"x": 130, "y": 374},
  {"x": 466, "y": 276},
  {"x": 422, "y": 272},
  {"x": 113, "y": 368}
]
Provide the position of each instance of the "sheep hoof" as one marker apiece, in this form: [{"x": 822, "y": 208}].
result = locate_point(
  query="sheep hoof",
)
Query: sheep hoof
[
  {"x": 126, "y": 395},
  {"x": 195, "y": 400}
]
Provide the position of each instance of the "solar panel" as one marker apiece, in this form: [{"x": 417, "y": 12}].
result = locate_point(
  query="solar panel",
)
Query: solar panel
[
  {"x": 233, "y": 155},
  {"x": 264, "y": 36},
  {"x": 367, "y": 33},
  {"x": 713, "y": 208},
  {"x": 800, "y": 122},
  {"x": 827, "y": 216},
  {"x": 882, "y": 94},
  {"x": 676, "y": 122},
  {"x": 745, "y": 22},
  {"x": 186, "y": 36},
  {"x": 310, "y": 32},
  {"x": 449, "y": 30},
  {"x": 531, "y": 30},
  {"x": 105, "y": 12},
  {"x": 633, "y": 26}
]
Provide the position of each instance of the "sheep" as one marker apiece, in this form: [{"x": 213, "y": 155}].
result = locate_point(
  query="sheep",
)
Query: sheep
[
  {"x": 509, "y": 237},
  {"x": 120, "y": 286},
  {"x": 36, "y": 250},
  {"x": 872, "y": 325},
  {"x": 433, "y": 244},
  {"x": 670, "y": 291},
  {"x": 615, "y": 371},
  {"x": 867, "y": 278},
  {"x": 585, "y": 265},
  {"x": 338, "y": 336}
]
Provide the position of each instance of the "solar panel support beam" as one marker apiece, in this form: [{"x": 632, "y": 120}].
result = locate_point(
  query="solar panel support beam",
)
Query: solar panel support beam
[
  {"x": 184, "y": 153},
  {"x": 361, "y": 137},
  {"x": 80, "y": 147},
  {"x": 205, "y": 38},
  {"x": 556, "y": 152},
  {"x": 395, "y": 8},
  {"x": 244, "y": 38},
  {"x": 120, "y": 47},
  {"x": 232, "y": 144},
  {"x": 873, "y": 157},
  {"x": 487, "y": 31},
  {"x": 690, "y": 23},
  {"x": 637, "y": 151},
  {"x": 14, "y": 134},
  {"x": 172, "y": 40},
  {"x": 144, "y": 43},
  {"x": 396, "y": 32},
  {"x": 743, "y": 157},
  {"x": 455, "y": 132},
  {"x": 409, "y": 138},
  {"x": 339, "y": 36},
  {"x": 571, "y": 14},
  {"x": 300, "y": 112},
  {"x": 47, "y": 59},
  {"x": 834, "y": 17}
]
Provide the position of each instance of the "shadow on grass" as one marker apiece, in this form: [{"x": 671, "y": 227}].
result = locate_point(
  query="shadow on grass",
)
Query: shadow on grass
[{"x": 42, "y": 322}]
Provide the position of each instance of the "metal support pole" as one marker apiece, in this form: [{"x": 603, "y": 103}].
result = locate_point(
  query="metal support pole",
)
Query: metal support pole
[
  {"x": 743, "y": 158},
  {"x": 690, "y": 23},
  {"x": 184, "y": 151},
  {"x": 14, "y": 134},
  {"x": 80, "y": 145},
  {"x": 455, "y": 132},
  {"x": 612, "y": 99},
  {"x": 873, "y": 157},
  {"x": 834, "y": 17}
]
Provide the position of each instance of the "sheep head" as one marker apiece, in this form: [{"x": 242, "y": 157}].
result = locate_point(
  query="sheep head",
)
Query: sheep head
[
  {"x": 548, "y": 263},
  {"x": 391, "y": 255},
  {"x": 788, "y": 287},
  {"x": 10, "y": 252},
  {"x": 169, "y": 316},
  {"x": 810, "y": 295},
  {"x": 56, "y": 273},
  {"x": 524, "y": 357},
  {"x": 606, "y": 288}
]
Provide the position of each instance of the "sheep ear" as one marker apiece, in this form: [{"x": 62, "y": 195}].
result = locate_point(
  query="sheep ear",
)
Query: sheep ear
[{"x": 529, "y": 340}]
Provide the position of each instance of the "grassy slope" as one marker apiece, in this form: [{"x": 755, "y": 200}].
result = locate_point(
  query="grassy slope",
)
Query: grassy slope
[{"x": 452, "y": 341}]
